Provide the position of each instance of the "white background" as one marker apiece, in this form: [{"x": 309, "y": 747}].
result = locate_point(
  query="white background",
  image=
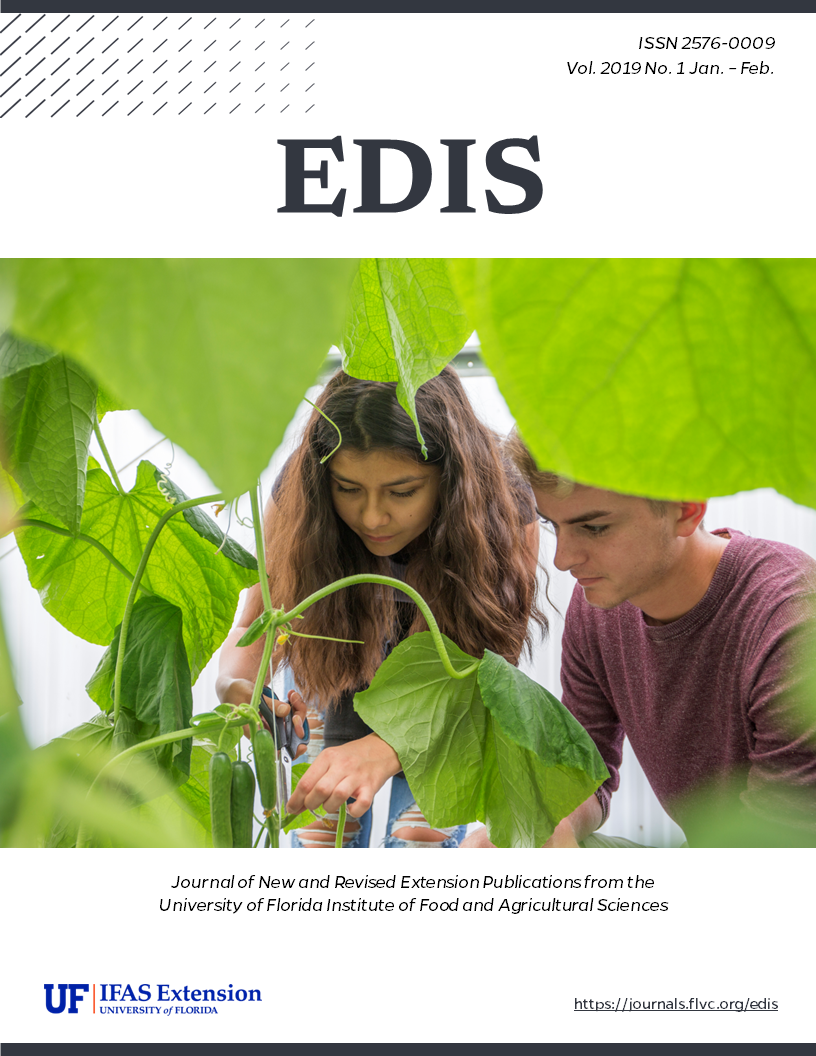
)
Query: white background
[
  {"x": 631, "y": 165},
  {"x": 419, "y": 977},
  {"x": 657, "y": 167}
]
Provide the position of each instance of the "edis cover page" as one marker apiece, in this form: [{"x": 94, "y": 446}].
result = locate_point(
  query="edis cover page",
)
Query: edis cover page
[{"x": 406, "y": 443}]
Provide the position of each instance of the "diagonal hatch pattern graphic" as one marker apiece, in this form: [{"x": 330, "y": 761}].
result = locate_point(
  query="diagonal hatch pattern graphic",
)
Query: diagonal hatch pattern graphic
[{"x": 154, "y": 65}]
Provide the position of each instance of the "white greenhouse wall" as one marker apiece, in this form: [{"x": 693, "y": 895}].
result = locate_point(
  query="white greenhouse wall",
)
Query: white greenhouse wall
[{"x": 52, "y": 666}]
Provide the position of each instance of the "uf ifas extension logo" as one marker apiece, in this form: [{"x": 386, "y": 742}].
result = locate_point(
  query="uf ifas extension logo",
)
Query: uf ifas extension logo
[{"x": 72, "y": 991}]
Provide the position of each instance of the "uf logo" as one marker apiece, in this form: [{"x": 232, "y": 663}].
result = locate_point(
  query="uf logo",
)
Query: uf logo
[{"x": 76, "y": 989}]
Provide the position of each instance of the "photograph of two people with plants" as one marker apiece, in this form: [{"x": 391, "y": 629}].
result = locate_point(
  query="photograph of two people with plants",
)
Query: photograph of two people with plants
[{"x": 484, "y": 567}]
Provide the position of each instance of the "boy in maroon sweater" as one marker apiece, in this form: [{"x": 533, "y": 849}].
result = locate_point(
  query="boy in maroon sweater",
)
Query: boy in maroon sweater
[{"x": 689, "y": 643}]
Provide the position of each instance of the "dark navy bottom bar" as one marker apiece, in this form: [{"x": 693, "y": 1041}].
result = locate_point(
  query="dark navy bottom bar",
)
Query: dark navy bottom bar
[{"x": 396, "y": 1049}]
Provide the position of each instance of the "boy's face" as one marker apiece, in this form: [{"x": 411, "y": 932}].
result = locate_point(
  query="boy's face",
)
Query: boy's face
[{"x": 615, "y": 545}]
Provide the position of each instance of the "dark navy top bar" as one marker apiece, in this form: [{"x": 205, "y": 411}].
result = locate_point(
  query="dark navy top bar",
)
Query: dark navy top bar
[{"x": 627, "y": 7}]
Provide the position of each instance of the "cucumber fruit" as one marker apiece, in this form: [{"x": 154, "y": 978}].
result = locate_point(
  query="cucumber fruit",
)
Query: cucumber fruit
[
  {"x": 263, "y": 751},
  {"x": 220, "y": 799},
  {"x": 241, "y": 804}
]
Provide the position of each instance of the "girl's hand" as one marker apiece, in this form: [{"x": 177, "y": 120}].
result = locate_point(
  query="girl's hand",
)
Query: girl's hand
[
  {"x": 297, "y": 705},
  {"x": 298, "y": 708},
  {"x": 356, "y": 770},
  {"x": 239, "y": 691}
]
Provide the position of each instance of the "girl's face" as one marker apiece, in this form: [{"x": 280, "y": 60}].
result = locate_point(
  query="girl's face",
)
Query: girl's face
[{"x": 387, "y": 498}]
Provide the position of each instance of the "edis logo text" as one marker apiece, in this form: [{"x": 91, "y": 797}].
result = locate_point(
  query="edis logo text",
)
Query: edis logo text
[{"x": 371, "y": 158}]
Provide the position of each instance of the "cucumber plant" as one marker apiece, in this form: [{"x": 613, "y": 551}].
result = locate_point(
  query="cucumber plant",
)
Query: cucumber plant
[{"x": 606, "y": 365}]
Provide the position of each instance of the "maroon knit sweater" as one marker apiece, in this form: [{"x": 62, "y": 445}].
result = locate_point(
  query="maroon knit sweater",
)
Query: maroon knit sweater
[{"x": 714, "y": 699}]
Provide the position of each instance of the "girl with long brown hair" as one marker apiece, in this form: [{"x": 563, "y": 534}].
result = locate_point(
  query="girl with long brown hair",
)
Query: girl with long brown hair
[{"x": 459, "y": 526}]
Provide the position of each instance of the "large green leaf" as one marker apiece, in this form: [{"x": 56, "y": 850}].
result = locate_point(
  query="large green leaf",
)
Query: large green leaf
[
  {"x": 668, "y": 378},
  {"x": 405, "y": 324},
  {"x": 188, "y": 805},
  {"x": 51, "y": 793},
  {"x": 47, "y": 413},
  {"x": 171, "y": 809},
  {"x": 16, "y": 355},
  {"x": 11, "y": 499},
  {"x": 193, "y": 797},
  {"x": 156, "y": 688},
  {"x": 80, "y": 587},
  {"x": 89, "y": 737},
  {"x": 216, "y": 353},
  {"x": 494, "y": 746},
  {"x": 89, "y": 746},
  {"x": 15, "y": 753},
  {"x": 206, "y": 527},
  {"x": 155, "y": 672},
  {"x": 534, "y": 719}
]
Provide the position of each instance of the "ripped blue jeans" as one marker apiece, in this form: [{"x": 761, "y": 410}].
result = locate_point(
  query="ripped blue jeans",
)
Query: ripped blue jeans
[
  {"x": 402, "y": 811},
  {"x": 399, "y": 814}
]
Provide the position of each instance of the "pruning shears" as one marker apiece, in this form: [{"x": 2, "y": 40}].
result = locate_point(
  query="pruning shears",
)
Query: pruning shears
[{"x": 287, "y": 742}]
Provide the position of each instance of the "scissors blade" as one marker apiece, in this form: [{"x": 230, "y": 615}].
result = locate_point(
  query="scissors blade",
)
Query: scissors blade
[{"x": 285, "y": 771}]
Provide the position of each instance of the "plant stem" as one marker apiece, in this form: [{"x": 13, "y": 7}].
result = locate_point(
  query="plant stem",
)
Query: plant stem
[
  {"x": 257, "y": 689},
  {"x": 134, "y": 588},
  {"x": 29, "y": 523},
  {"x": 341, "y": 826},
  {"x": 110, "y": 465},
  {"x": 326, "y": 458},
  {"x": 273, "y": 821},
  {"x": 263, "y": 580},
  {"x": 387, "y": 581},
  {"x": 260, "y": 548}
]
